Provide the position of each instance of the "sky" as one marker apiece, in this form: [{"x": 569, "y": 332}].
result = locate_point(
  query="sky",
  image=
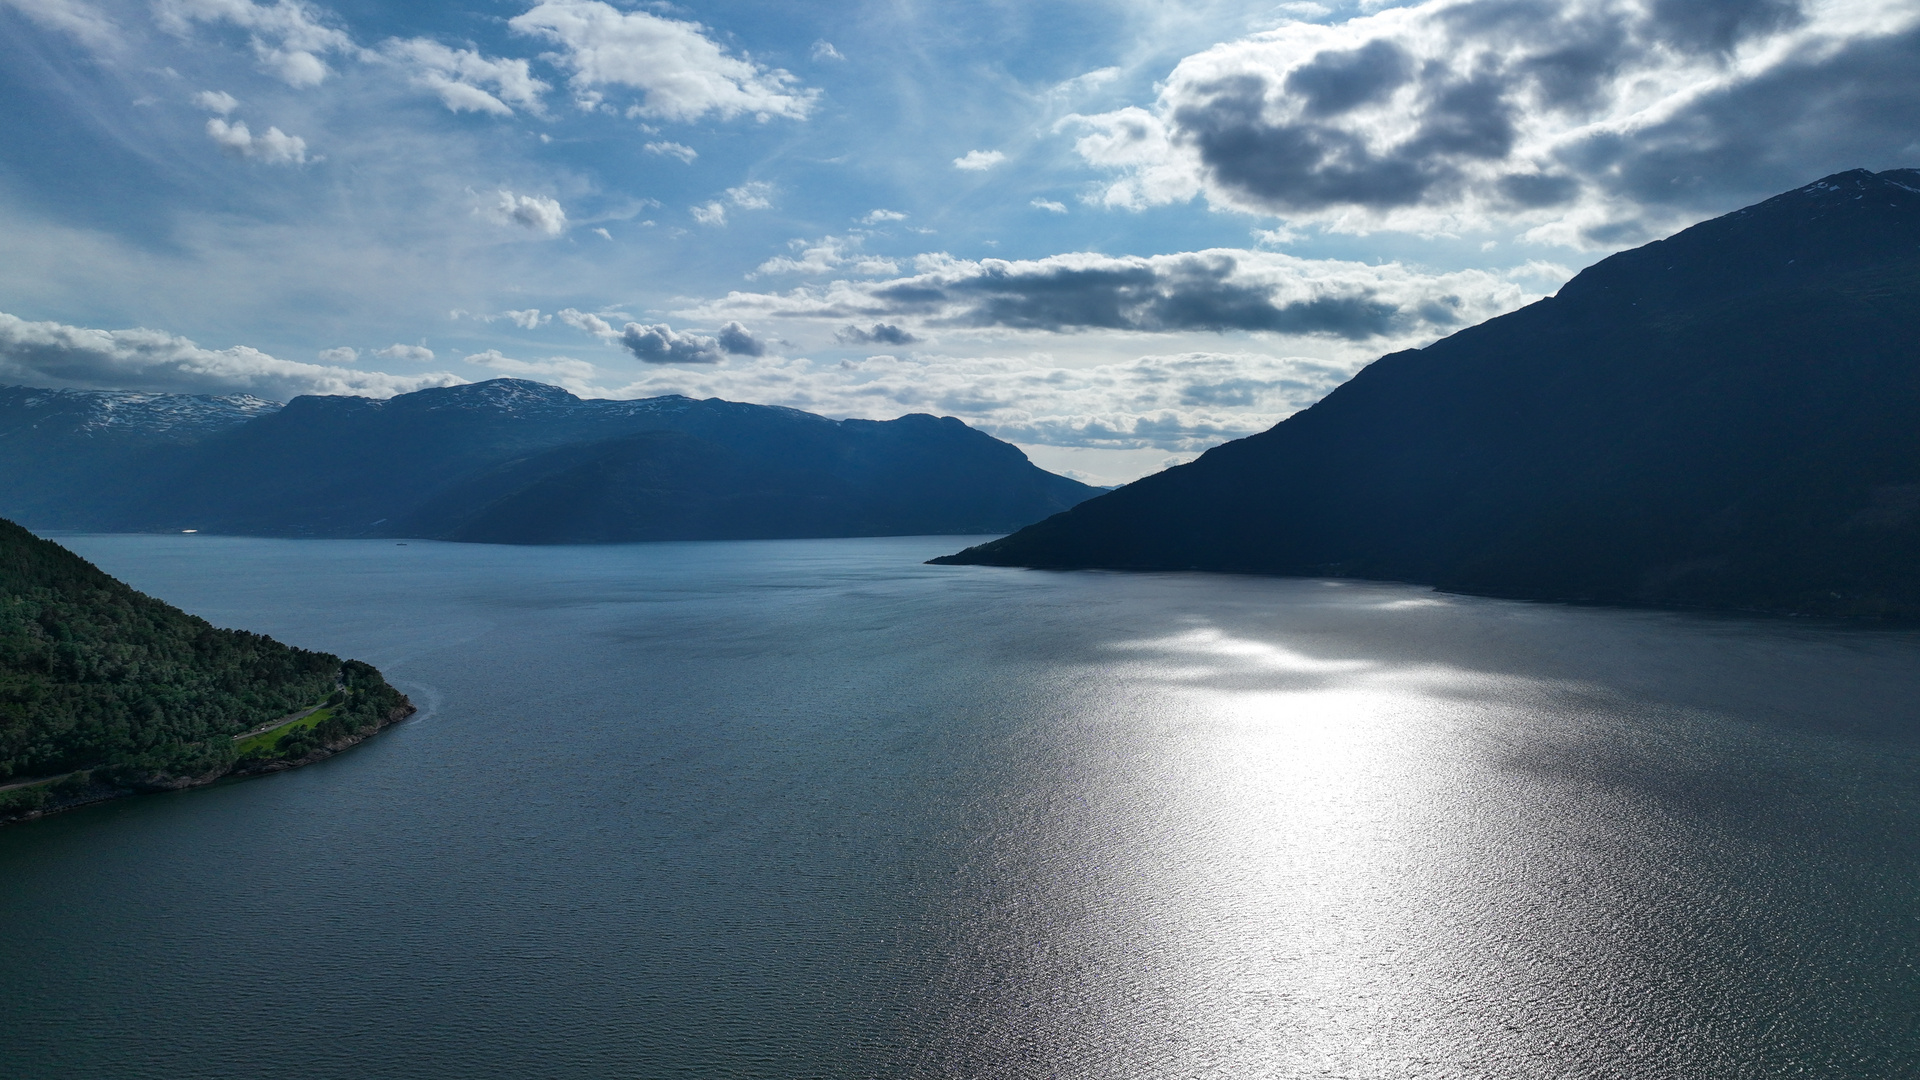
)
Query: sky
[{"x": 1112, "y": 233}]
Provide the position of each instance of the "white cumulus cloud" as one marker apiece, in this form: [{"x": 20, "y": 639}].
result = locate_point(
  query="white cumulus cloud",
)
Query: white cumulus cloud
[
  {"x": 591, "y": 323},
  {"x": 289, "y": 38},
  {"x": 824, "y": 255},
  {"x": 754, "y": 195},
  {"x": 216, "y": 101},
  {"x": 539, "y": 213},
  {"x": 680, "y": 73},
  {"x": 979, "y": 160},
  {"x": 413, "y": 354},
  {"x": 273, "y": 146}
]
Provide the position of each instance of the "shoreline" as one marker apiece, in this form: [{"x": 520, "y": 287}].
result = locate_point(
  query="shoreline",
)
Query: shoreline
[{"x": 92, "y": 793}]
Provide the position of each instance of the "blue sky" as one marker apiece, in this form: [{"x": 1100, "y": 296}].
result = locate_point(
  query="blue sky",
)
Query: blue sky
[{"x": 1113, "y": 233}]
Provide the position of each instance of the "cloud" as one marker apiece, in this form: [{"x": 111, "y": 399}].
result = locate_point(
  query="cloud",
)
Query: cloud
[
  {"x": 1049, "y": 206},
  {"x": 824, "y": 50},
  {"x": 288, "y": 37},
  {"x": 413, "y": 354},
  {"x": 564, "y": 368},
  {"x": 754, "y": 195},
  {"x": 592, "y": 324},
  {"x": 528, "y": 319},
  {"x": 458, "y": 76},
  {"x": 75, "y": 18},
  {"x": 979, "y": 160},
  {"x": 660, "y": 345},
  {"x": 1560, "y": 114},
  {"x": 876, "y": 217},
  {"x": 1217, "y": 290},
  {"x": 1178, "y": 403},
  {"x": 880, "y": 334},
  {"x": 673, "y": 149},
  {"x": 824, "y": 255},
  {"x": 56, "y": 355},
  {"x": 273, "y": 147},
  {"x": 735, "y": 340},
  {"x": 216, "y": 101},
  {"x": 680, "y": 73},
  {"x": 342, "y": 355},
  {"x": 539, "y": 213}
]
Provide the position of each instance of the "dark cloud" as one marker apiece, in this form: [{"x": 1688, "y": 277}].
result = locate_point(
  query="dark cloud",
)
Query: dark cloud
[
  {"x": 1719, "y": 25},
  {"x": 1336, "y": 81},
  {"x": 659, "y": 344},
  {"x": 880, "y": 334},
  {"x": 1196, "y": 292},
  {"x": 1818, "y": 114},
  {"x": 1538, "y": 189},
  {"x": 1428, "y": 114},
  {"x": 1294, "y": 165},
  {"x": 735, "y": 340}
]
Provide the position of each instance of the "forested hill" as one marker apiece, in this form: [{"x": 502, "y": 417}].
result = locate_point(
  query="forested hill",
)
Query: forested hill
[
  {"x": 1725, "y": 418},
  {"x": 104, "y": 690}
]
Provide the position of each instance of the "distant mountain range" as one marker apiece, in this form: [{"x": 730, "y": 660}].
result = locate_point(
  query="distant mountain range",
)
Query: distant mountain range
[
  {"x": 504, "y": 461},
  {"x": 1727, "y": 418}
]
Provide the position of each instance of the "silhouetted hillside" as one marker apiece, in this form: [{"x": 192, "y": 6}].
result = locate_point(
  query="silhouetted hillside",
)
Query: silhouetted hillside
[{"x": 1729, "y": 417}]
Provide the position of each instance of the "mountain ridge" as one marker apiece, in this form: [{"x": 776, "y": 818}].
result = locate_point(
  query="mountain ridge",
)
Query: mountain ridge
[
  {"x": 1723, "y": 418},
  {"x": 339, "y": 466}
]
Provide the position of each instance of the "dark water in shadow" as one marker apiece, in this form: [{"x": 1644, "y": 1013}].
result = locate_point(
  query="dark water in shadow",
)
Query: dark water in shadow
[{"x": 811, "y": 809}]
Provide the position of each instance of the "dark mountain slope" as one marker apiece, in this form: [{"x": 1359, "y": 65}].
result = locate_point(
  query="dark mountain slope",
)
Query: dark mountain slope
[
  {"x": 512, "y": 461},
  {"x": 110, "y": 690},
  {"x": 1729, "y": 417},
  {"x": 66, "y": 453}
]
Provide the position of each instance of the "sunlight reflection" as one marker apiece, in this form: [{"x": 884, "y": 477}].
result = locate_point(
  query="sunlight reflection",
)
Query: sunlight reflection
[{"x": 1303, "y": 804}]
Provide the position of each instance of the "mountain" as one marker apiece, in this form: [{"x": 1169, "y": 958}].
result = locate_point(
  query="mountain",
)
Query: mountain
[
  {"x": 512, "y": 461},
  {"x": 63, "y": 452},
  {"x": 1726, "y": 418},
  {"x": 105, "y": 691}
]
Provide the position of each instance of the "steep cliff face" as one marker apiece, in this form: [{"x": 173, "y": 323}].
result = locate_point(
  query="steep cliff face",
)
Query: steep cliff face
[{"x": 1729, "y": 417}]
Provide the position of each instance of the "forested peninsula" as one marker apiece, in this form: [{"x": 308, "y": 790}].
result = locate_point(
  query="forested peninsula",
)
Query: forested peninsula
[{"x": 105, "y": 691}]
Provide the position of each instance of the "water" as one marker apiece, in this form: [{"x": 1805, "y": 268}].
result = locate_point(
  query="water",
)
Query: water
[{"x": 812, "y": 809}]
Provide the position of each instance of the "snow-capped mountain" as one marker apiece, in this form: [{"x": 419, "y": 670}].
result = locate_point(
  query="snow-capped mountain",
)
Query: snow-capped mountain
[{"x": 95, "y": 412}]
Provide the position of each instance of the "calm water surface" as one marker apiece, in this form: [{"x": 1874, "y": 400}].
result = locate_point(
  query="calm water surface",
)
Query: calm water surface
[{"x": 812, "y": 809}]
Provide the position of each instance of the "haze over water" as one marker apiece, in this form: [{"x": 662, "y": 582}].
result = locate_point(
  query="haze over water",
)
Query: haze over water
[{"x": 812, "y": 808}]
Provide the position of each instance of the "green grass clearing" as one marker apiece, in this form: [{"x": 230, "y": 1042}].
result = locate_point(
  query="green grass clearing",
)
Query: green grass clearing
[{"x": 261, "y": 745}]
